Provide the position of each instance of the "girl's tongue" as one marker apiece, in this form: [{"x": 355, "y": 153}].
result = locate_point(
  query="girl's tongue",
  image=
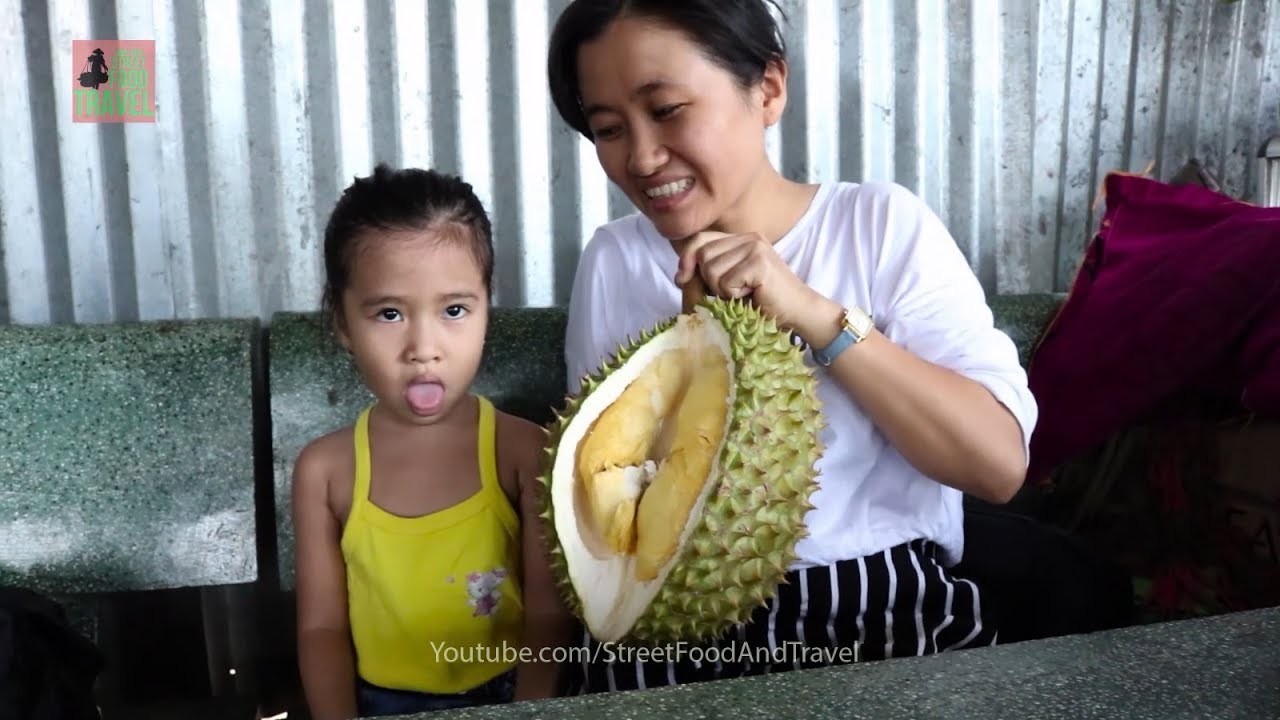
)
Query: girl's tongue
[{"x": 425, "y": 398}]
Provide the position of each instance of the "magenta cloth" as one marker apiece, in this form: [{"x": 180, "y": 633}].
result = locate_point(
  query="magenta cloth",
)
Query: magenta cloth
[{"x": 1176, "y": 304}]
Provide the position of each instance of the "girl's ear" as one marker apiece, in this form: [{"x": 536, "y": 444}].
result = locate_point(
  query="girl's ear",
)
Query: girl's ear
[
  {"x": 773, "y": 87},
  {"x": 340, "y": 330}
]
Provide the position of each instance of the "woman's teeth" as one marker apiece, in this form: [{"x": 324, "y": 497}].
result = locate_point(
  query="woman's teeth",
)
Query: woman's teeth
[{"x": 670, "y": 188}]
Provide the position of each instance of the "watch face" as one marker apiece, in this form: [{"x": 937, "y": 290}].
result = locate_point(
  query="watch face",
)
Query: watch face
[{"x": 858, "y": 321}]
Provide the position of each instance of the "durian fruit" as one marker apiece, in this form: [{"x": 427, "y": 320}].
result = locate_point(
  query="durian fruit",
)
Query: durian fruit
[{"x": 677, "y": 480}]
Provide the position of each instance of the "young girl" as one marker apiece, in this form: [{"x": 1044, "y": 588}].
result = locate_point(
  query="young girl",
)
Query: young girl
[
  {"x": 421, "y": 573},
  {"x": 924, "y": 399}
]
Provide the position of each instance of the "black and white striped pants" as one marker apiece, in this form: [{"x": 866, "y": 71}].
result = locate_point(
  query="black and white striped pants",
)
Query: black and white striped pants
[{"x": 900, "y": 602}]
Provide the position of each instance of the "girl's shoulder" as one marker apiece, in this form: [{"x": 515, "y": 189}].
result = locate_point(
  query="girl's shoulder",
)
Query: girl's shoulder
[
  {"x": 519, "y": 449},
  {"x": 325, "y": 468},
  {"x": 327, "y": 453}
]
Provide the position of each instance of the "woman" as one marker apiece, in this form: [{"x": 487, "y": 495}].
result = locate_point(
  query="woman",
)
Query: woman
[{"x": 924, "y": 403}]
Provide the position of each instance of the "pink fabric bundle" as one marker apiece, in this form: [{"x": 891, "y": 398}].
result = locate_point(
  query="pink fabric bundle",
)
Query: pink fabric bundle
[{"x": 1177, "y": 302}]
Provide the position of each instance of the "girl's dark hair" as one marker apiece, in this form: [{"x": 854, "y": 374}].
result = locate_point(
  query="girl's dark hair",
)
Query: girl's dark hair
[
  {"x": 408, "y": 199},
  {"x": 740, "y": 36}
]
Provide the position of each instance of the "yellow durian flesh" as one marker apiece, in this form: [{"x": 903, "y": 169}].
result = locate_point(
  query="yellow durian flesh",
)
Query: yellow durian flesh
[
  {"x": 615, "y": 459},
  {"x": 699, "y": 425}
]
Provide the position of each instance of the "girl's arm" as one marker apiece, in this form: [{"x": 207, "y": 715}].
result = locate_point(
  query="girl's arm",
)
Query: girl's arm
[
  {"x": 326, "y": 660},
  {"x": 548, "y": 625}
]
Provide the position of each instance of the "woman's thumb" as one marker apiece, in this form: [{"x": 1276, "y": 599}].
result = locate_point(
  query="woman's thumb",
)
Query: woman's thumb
[{"x": 686, "y": 266}]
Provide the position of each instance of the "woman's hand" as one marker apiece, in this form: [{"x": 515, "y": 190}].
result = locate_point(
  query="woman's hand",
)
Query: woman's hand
[
  {"x": 738, "y": 266},
  {"x": 946, "y": 425}
]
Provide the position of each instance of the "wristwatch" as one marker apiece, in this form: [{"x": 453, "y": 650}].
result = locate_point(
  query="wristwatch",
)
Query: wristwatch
[{"x": 855, "y": 327}]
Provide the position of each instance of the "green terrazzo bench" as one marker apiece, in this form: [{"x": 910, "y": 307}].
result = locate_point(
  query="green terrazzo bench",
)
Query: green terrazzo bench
[
  {"x": 314, "y": 388},
  {"x": 126, "y": 461}
]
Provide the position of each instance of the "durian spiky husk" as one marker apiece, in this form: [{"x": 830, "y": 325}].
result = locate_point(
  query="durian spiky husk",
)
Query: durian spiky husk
[{"x": 730, "y": 422}]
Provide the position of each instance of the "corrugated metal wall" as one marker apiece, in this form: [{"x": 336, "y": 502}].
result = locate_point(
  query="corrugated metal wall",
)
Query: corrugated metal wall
[{"x": 1003, "y": 115}]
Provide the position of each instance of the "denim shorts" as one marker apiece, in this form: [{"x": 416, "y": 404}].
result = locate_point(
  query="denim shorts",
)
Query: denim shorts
[{"x": 374, "y": 701}]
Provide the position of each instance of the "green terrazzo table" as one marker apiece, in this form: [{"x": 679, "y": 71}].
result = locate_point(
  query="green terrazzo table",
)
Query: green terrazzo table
[{"x": 1226, "y": 666}]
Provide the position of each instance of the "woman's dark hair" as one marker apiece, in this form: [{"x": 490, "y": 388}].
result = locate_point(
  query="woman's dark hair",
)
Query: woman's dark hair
[
  {"x": 408, "y": 199},
  {"x": 740, "y": 36}
]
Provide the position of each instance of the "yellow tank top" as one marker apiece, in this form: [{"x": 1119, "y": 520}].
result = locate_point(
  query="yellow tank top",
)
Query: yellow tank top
[{"x": 434, "y": 601}]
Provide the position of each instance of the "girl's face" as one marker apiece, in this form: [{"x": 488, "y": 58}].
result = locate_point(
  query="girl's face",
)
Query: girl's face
[
  {"x": 675, "y": 131},
  {"x": 414, "y": 317}
]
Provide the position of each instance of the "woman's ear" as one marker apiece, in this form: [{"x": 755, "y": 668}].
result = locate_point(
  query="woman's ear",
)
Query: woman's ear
[{"x": 773, "y": 87}]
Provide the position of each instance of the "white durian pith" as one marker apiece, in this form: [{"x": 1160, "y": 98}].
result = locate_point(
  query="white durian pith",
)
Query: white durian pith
[{"x": 646, "y": 555}]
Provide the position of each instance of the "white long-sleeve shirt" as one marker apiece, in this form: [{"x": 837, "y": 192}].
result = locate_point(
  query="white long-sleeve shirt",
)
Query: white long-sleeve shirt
[{"x": 873, "y": 245}]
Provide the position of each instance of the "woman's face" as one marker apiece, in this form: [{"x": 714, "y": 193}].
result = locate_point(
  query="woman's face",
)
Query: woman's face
[{"x": 672, "y": 129}]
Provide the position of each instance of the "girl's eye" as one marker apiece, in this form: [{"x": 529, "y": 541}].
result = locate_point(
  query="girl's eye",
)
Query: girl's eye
[
  {"x": 388, "y": 314},
  {"x": 454, "y": 312}
]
